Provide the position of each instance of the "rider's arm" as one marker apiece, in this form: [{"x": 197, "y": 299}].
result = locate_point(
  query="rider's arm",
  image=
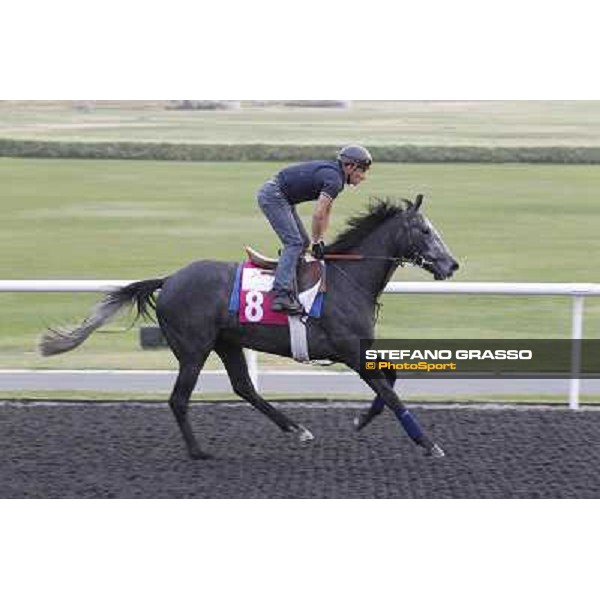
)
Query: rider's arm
[{"x": 320, "y": 220}]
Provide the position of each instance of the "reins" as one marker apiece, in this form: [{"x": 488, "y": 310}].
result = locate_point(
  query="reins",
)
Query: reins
[
  {"x": 356, "y": 257},
  {"x": 402, "y": 261}
]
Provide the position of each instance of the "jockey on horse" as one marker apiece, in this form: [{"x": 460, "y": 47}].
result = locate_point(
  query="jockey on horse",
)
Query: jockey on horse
[{"x": 320, "y": 180}]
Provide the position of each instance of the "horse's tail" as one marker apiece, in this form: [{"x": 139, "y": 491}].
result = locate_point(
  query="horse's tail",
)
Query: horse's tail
[{"x": 56, "y": 341}]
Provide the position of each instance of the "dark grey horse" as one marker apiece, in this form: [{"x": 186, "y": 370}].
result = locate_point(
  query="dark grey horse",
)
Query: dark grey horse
[{"x": 193, "y": 313}]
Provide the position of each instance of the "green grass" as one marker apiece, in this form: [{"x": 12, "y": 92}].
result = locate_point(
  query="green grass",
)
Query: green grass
[
  {"x": 516, "y": 123},
  {"x": 86, "y": 395},
  {"x": 132, "y": 220},
  {"x": 98, "y": 395}
]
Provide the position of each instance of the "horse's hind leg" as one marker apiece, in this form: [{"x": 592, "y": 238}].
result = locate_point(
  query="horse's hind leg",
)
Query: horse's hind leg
[
  {"x": 237, "y": 369},
  {"x": 191, "y": 349},
  {"x": 179, "y": 403}
]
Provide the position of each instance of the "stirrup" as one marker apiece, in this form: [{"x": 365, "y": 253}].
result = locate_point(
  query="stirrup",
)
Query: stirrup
[{"x": 288, "y": 303}]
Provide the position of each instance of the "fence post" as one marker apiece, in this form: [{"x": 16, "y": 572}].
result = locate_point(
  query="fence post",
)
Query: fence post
[
  {"x": 576, "y": 333},
  {"x": 252, "y": 360}
]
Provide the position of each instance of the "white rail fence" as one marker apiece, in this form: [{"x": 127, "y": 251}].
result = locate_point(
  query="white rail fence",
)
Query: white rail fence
[{"x": 577, "y": 291}]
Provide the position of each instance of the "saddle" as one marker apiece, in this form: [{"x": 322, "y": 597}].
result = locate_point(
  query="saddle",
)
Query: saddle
[
  {"x": 251, "y": 295},
  {"x": 309, "y": 272}
]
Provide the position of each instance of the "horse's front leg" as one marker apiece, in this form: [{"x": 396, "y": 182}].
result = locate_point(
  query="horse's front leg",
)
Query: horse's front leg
[
  {"x": 379, "y": 383},
  {"x": 377, "y": 406}
]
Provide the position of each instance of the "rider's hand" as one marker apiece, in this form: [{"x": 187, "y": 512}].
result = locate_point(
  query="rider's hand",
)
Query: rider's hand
[{"x": 318, "y": 250}]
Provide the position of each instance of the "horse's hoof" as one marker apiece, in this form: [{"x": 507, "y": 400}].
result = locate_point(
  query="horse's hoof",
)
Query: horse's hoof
[
  {"x": 304, "y": 435},
  {"x": 360, "y": 422},
  {"x": 199, "y": 455},
  {"x": 435, "y": 451}
]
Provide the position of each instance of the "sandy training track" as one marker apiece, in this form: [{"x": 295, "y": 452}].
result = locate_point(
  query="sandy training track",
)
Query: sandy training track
[{"x": 110, "y": 450}]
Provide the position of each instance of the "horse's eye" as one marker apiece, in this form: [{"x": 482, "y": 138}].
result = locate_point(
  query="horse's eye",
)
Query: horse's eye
[{"x": 426, "y": 231}]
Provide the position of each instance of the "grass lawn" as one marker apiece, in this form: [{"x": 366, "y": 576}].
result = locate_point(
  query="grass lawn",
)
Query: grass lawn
[
  {"x": 133, "y": 220},
  {"x": 506, "y": 123}
]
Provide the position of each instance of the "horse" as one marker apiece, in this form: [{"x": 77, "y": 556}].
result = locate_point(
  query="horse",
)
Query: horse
[{"x": 193, "y": 313}]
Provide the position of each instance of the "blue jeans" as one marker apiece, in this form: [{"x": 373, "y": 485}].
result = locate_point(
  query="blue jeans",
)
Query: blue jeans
[{"x": 287, "y": 225}]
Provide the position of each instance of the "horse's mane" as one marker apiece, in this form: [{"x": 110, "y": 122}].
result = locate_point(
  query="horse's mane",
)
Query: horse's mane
[{"x": 360, "y": 226}]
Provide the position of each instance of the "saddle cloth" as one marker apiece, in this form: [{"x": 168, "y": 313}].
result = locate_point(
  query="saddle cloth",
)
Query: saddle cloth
[{"x": 252, "y": 296}]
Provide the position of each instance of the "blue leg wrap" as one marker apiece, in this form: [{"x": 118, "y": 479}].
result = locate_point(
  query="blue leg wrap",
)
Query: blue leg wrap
[
  {"x": 410, "y": 424},
  {"x": 378, "y": 404}
]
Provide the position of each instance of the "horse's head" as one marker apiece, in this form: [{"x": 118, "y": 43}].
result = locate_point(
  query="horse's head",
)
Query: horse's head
[{"x": 425, "y": 247}]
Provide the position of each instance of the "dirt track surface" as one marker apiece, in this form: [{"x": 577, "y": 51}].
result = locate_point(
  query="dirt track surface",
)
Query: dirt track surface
[{"x": 133, "y": 451}]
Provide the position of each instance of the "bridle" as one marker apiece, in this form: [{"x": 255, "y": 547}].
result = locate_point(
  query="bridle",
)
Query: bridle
[{"x": 413, "y": 256}]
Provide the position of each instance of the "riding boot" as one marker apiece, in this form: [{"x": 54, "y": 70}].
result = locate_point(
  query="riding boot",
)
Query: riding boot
[{"x": 285, "y": 301}]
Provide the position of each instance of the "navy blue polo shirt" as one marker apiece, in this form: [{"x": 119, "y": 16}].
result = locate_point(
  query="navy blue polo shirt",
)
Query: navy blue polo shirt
[{"x": 308, "y": 180}]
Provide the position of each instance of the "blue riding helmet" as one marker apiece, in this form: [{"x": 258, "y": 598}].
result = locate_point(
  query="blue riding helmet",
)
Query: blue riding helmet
[{"x": 357, "y": 155}]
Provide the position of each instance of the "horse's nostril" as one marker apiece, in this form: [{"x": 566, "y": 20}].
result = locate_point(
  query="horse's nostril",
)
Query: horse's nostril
[{"x": 455, "y": 266}]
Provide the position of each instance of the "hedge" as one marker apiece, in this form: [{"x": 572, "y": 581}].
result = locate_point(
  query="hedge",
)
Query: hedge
[{"x": 289, "y": 152}]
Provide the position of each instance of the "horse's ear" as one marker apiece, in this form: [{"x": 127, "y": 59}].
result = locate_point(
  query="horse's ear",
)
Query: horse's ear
[{"x": 418, "y": 202}]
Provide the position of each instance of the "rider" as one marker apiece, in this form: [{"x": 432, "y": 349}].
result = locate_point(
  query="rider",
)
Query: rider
[{"x": 320, "y": 180}]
